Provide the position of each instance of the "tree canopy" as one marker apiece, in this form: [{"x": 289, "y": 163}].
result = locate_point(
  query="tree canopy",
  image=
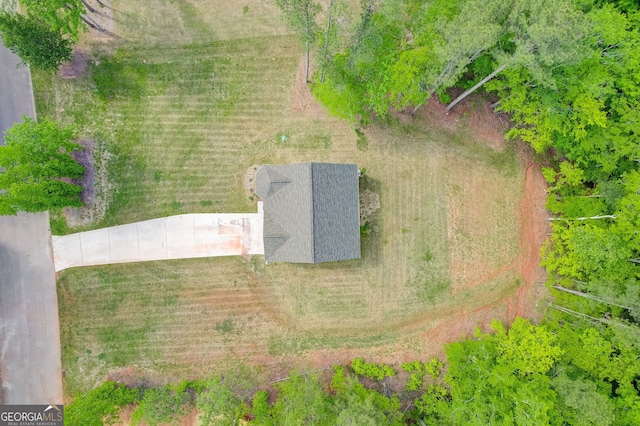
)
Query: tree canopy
[
  {"x": 34, "y": 41},
  {"x": 62, "y": 16},
  {"x": 36, "y": 158}
]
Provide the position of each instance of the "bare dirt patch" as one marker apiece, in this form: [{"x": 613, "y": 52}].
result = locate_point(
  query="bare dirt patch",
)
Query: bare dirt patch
[
  {"x": 76, "y": 67},
  {"x": 96, "y": 187},
  {"x": 83, "y": 215},
  {"x": 369, "y": 204},
  {"x": 249, "y": 181},
  {"x": 302, "y": 99},
  {"x": 474, "y": 113},
  {"x": 100, "y": 20},
  {"x": 534, "y": 229},
  {"x": 135, "y": 377}
]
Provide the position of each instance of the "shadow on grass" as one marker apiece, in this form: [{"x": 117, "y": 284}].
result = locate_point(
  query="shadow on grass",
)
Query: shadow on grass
[{"x": 119, "y": 76}]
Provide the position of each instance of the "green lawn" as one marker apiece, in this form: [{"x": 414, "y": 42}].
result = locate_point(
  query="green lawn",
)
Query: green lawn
[{"x": 181, "y": 120}]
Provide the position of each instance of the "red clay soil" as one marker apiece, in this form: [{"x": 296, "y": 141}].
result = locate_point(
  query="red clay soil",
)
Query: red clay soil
[
  {"x": 76, "y": 67},
  {"x": 445, "y": 325},
  {"x": 488, "y": 127},
  {"x": 476, "y": 115},
  {"x": 448, "y": 325}
]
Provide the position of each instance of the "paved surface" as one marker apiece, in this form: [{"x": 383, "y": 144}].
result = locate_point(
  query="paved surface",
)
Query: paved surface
[
  {"x": 16, "y": 94},
  {"x": 30, "y": 370},
  {"x": 173, "y": 237}
]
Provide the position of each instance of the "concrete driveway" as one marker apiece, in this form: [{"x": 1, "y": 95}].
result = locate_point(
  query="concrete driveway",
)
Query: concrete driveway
[
  {"x": 30, "y": 370},
  {"x": 173, "y": 237}
]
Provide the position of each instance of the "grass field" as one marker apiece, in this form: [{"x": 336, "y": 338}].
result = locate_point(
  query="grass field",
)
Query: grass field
[{"x": 185, "y": 105}]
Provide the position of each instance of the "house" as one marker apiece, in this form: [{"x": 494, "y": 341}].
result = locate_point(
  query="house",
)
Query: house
[{"x": 311, "y": 212}]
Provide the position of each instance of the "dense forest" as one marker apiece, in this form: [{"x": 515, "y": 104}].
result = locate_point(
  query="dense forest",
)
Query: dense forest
[{"x": 567, "y": 73}]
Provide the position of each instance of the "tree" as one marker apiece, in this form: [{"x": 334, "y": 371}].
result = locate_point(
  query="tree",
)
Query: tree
[
  {"x": 63, "y": 16},
  {"x": 528, "y": 349},
  {"x": 36, "y": 157},
  {"x": 34, "y": 41},
  {"x": 581, "y": 404},
  {"x": 356, "y": 405},
  {"x": 301, "y": 17},
  {"x": 490, "y": 382},
  {"x": 543, "y": 34},
  {"x": 476, "y": 28}
]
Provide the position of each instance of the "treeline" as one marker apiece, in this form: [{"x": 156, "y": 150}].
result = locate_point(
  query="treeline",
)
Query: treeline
[
  {"x": 556, "y": 374},
  {"x": 568, "y": 74}
]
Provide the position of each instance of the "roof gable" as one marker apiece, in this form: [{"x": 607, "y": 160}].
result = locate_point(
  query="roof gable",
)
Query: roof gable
[{"x": 311, "y": 212}]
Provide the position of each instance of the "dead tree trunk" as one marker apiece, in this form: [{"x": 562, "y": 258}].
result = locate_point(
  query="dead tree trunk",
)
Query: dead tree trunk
[
  {"x": 476, "y": 87},
  {"x": 604, "y": 216},
  {"x": 589, "y": 317},
  {"x": 590, "y": 296}
]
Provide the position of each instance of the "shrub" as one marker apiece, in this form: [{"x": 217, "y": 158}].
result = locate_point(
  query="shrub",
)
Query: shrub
[
  {"x": 371, "y": 369},
  {"x": 101, "y": 405}
]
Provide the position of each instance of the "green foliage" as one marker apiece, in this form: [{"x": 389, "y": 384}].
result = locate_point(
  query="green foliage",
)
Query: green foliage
[
  {"x": 434, "y": 367},
  {"x": 341, "y": 99},
  {"x": 356, "y": 405},
  {"x": 161, "y": 405},
  {"x": 602, "y": 373},
  {"x": 371, "y": 369},
  {"x": 588, "y": 119},
  {"x": 101, "y": 405},
  {"x": 418, "y": 370},
  {"x": 415, "y": 382},
  {"x": 354, "y": 77},
  {"x": 528, "y": 349},
  {"x": 301, "y": 17},
  {"x": 301, "y": 400},
  {"x": 434, "y": 406},
  {"x": 581, "y": 404},
  {"x": 63, "y": 16},
  {"x": 118, "y": 76},
  {"x": 225, "y": 326},
  {"x": 219, "y": 405},
  {"x": 34, "y": 41},
  {"x": 490, "y": 383},
  {"x": 36, "y": 156},
  {"x": 260, "y": 409}
]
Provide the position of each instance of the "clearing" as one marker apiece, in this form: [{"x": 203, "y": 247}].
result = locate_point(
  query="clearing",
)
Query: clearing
[{"x": 181, "y": 118}]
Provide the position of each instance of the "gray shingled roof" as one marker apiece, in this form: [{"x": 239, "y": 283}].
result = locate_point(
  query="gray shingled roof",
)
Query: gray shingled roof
[{"x": 311, "y": 212}]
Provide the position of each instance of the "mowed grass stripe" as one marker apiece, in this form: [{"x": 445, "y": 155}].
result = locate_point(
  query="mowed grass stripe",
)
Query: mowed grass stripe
[{"x": 201, "y": 115}]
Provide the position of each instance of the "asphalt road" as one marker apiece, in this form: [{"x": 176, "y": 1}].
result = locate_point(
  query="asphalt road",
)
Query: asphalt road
[
  {"x": 30, "y": 368},
  {"x": 16, "y": 94}
]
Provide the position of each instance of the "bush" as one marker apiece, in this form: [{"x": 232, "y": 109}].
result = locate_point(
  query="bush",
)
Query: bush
[
  {"x": 371, "y": 369},
  {"x": 219, "y": 405},
  {"x": 160, "y": 405},
  {"x": 434, "y": 367},
  {"x": 101, "y": 405}
]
